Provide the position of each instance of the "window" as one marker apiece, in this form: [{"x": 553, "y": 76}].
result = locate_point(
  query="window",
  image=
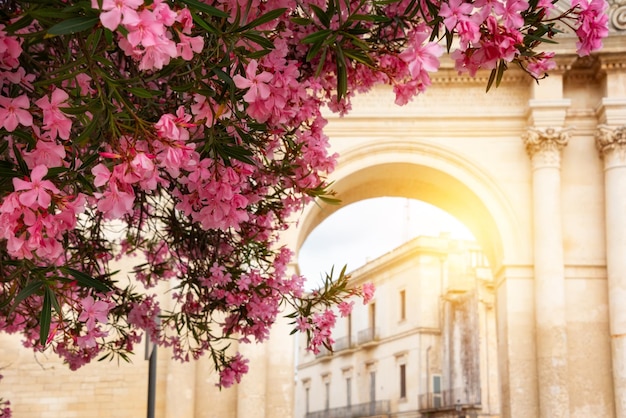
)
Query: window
[
  {"x": 350, "y": 331},
  {"x": 372, "y": 386},
  {"x": 437, "y": 391},
  {"x": 327, "y": 385},
  {"x": 403, "y": 381},
  {"x": 372, "y": 316},
  {"x": 402, "y": 305},
  {"x": 306, "y": 398},
  {"x": 348, "y": 391}
]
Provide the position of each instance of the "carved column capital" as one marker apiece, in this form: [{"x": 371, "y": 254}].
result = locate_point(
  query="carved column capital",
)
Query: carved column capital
[
  {"x": 611, "y": 142},
  {"x": 617, "y": 15},
  {"x": 544, "y": 145}
]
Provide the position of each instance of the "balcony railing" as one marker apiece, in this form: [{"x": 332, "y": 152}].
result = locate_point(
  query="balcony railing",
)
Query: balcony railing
[
  {"x": 448, "y": 400},
  {"x": 367, "y": 335},
  {"x": 324, "y": 352},
  {"x": 343, "y": 343},
  {"x": 370, "y": 409}
]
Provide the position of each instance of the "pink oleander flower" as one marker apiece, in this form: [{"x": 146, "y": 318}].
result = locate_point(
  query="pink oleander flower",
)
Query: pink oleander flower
[
  {"x": 422, "y": 55},
  {"x": 454, "y": 11},
  {"x": 256, "y": 84},
  {"x": 93, "y": 311},
  {"x": 233, "y": 371},
  {"x": 345, "y": 308},
  {"x": 540, "y": 65},
  {"x": 15, "y": 112},
  {"x": 368, "y": 292},
  {"x": 36, "y": 192},
  {"x": 115, "y": 203},
  {"x": 117, "y": 11},
  {"x": 55, "y": 121},
  {"x": 593, "y": 21}
]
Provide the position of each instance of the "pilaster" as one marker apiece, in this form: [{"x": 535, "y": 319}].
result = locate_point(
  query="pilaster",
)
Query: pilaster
[
  {"x": 544, "y": 146},
  {"x": 611, "y": 143}
]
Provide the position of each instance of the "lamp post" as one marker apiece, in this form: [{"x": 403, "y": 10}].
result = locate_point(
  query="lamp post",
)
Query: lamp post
[
  {"x": 151, "y": 355},
  {"x": 459, "y": 409}
]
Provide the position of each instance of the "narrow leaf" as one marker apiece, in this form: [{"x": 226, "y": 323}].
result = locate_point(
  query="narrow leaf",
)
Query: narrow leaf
[
  {"x": 73, "y": 25},
  {"x": 267, "y": 17},
  {"x": 492, "y": 78},
  {"x": 86, "y": 280},
  {"x": 45, "y": 317},
  {"x": 205, "y": 8},
  {"x": 321, "y": 15},
  {"x": 27, "y": 291},
  {"x": 316, "y": 36}
]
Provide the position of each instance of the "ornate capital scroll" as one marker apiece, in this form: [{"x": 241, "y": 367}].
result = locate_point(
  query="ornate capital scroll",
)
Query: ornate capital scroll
[
  {"x": 544, "y": 145},
  {"x": 617, "y": 15},
  {"x": 611, "y": 142}
]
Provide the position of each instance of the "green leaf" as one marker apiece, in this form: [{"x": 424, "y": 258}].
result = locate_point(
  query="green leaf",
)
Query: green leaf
[
  {"x": 144, "y": 93},
  {"x": 73, "y": 25},
  {"x": 7, "y": 170},
  {"x": 316, "y": 36},
  {"x": 303, "y": 21},
  {"x": 86, "y": 280},
  {"x": 330, "y": 200},
  {"x": 313, "y": 51},
  {"x": 321, "y": 15},
  {"x": 53, "y": 299},
  {"x": 204, "y": 24},
  {"x": 20, "y": 161},
  {"x": 237, "y": 152},
  {"x": 492, "y": 78},
  {"x": 55, "y": 172},
  {"x": 259, "y": 39},
  {"x": 27, "y": 291},
  {"x": 342, "y": 73},
  {"x": 45, "y": 317},
  {"x": 369, "y": 18},
  {"x": 74, "y": 110},
  {"x": 205, "y": 8},
  {"x": 358, "y": 56},
  {"x": 501, "y": 69},
  {"x": 267, "y": 17}
]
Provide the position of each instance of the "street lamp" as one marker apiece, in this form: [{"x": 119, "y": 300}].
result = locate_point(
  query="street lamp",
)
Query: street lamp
[{"x": 459, "y": 409}]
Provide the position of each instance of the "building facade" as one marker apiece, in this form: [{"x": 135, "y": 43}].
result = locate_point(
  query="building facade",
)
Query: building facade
[{"x": 425, "y": 346}]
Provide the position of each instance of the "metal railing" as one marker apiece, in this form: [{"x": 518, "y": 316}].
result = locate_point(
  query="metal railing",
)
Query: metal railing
[
  {"x": 367, "y": 335},
  {"x": 370, "y": 409},
  {"x": 447, "y": 399},
  {"x": 343, "y": 343}
]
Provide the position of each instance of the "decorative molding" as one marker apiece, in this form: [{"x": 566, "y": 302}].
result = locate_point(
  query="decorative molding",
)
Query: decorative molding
[
  {"x": 611, "y": 143},
  {"x": 617, "y": 15},
  {"x": 544, "y": 145}
]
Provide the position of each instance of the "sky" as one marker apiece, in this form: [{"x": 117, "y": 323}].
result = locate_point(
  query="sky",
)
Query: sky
[{"x": 367, "y": 229}]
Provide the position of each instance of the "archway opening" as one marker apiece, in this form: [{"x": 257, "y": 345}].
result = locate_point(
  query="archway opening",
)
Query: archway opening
[{"x": 428, "y": 340}]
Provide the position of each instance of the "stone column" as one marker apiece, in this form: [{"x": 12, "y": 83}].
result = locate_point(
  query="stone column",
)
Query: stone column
[
  {"x": 612, "y": 146},
  {"x": 544, "y": 148}
]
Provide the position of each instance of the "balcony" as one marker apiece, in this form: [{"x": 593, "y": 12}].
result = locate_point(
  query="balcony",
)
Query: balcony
[
  {"x": 379, "y": 409},
  {"x": 343, "y": 343},
  {"x": 432, "y": 404},
  {"x": 324, "y": 353},
  {"x": 367, "y": 336}
]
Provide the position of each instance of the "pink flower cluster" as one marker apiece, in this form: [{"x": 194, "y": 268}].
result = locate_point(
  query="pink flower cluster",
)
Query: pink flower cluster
[
  {"x": 185, "y": 134},
  {"x": 148, "y": 39}
]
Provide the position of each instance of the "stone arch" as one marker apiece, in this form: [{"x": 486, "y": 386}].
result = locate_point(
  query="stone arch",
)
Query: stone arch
[{"x": 429, "y": 173}]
